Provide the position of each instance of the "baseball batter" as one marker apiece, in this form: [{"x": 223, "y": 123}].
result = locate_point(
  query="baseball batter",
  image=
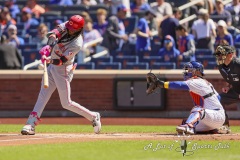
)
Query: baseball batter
[
  {"x": 208, "y": 113},
  {"x": 64, "y": 43}
]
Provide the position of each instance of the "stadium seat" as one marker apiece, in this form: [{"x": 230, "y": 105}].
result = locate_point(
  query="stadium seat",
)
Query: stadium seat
[
  {"x": 20, "y": 26},
  {"x": 76, "y": 8},
  {"x": 206, "y": 59},
  {"x": 211, "y": 65},
  {"x": 237, "y": 45},
  {"x": 102, "y": 59},
  {"x": 98, "y": 6},
  {"x": 155, "y": 45},
  {"x": 125, "y": 59},
  {"x": 177, "y": 3},
  {"x": 29, "y": 46},
  {"x": 122, "y": 53},
  {"x": 203, "y": 52},
  {"x": 163, "y": 65},
  {"x": 93, "y": 15},
  {"x": 27, "y": 39},
  {"x": 51, "y": 13},
  {"x": 151, "y": 60},
  {"x": 130, "y": 24},
  {"x": 130, "y": 65},
  {"x": 33, "y": 32},
  {"x": 216, "y": 18},
  {"x": 114, "y": 65},
  {"x": 30, "y": 55},
  {"x": 90, "y": 65}
]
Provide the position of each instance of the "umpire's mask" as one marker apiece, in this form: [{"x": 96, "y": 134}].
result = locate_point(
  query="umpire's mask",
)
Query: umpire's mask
[{"x": 221, "y": 53}]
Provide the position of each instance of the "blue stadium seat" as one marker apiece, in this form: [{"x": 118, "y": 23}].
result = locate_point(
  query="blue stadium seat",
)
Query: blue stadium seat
[
  {"x": 125, "y": 59},
  {"x": 206, "y": 59},
  {"x": 152, "y": 59},
  {"x": 237, "y": 45},
  {"x": 203, "y": 52},
  {"x": 155, "y": 45},
  {"x": 102, "y": 59},
  {"x": 20, "y": 26},
  {"x": 131, "y": 65},
  {"x": 29, "y": 46},
  {"x": 30, "y": 55},
  {"x": 90, "y": 65},
  {"x": 130, "y": 24},
  {"x": 114, "y": 65},
  {"x": 122, "y": 53},
  {"x": 211, "y": 65},
  {"x": 163, "y": 65},
  {"x": 93, "y": 15},
  {"x": 27, "y": 39},
  {"x": 33, "y": 32}
]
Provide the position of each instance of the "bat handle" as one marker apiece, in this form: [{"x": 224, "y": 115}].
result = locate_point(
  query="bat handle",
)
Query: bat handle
[{"x": 45, "y": 75}]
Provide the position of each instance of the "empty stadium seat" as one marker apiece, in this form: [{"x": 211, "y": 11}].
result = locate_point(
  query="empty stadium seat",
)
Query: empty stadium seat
[
  {"x": 30, "y": 55},
  {"x": 90, "y": 65},
  {"x": 114, "y": 65},
  {"x": 130, "y": 65},
  {"x": 152, "y": 59},
  {"x": 102, "y": 59},
  {"x": 122, "y": 53},
  {"x": 203, "y": 52},
  {"x": 211, "y": 65},
  {"x": 163, "y": 65},
  {"x": 125, "y": 59},
  {"x": 206, "y": 60},
  {"x": 130, "y": 24},
  {"x": 29, "y": 46}
]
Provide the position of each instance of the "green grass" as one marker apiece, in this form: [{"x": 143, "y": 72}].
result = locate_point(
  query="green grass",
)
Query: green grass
[
  {"x": 117, "y": 149},
  {"x": 88, "y": 129}
]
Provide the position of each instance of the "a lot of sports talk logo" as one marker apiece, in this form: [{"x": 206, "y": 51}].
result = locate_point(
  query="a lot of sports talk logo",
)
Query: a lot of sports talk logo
[{"x": 184, "y": 146}]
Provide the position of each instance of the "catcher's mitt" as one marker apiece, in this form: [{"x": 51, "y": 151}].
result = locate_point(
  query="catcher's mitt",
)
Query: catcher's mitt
[{"x": 153, "y": 83}]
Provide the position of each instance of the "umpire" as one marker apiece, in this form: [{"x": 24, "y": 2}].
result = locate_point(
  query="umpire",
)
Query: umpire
[{"x": 229, "y": 67}]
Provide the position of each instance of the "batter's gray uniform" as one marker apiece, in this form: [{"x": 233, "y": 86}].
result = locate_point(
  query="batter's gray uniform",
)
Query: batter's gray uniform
[{"x": 60, "y": 78}]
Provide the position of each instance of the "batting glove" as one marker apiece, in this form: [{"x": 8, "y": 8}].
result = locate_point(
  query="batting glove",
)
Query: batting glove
[{"x": 46, "y": 50}]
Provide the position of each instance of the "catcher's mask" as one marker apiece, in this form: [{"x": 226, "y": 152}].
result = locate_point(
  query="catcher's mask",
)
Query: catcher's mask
[
  {"x": 221, "y": 53},
  {"x": 190, "y": 68}
]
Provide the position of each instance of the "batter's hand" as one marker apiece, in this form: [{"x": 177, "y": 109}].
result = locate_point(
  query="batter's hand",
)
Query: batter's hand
[
  {"x": 45, "y": 58},
  {"x": 225, "y": 89},
  {"x": 46, "y": 50}
]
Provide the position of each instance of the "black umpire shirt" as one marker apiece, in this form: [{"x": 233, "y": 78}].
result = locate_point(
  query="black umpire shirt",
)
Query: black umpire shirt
[{"x": 231, "y": 74}]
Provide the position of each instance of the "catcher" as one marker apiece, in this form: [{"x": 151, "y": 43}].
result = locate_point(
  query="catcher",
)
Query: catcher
[{"x": 207, "y": 115}]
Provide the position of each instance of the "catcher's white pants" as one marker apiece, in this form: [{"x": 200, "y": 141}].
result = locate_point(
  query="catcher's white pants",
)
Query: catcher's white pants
[
  {"x": 60, "y": 78},
  {"x": 213, "y": 119}
]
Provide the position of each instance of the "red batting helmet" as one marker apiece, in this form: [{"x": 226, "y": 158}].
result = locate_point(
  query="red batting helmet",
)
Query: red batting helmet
[{"x": 75, "y": 22}]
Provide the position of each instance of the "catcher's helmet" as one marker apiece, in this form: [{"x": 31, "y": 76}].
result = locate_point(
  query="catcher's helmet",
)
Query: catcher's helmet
[
  {"x": 221, "y": 53},
  {"x": 190, "y": 69},
  {"x": 75, "y": 23}
]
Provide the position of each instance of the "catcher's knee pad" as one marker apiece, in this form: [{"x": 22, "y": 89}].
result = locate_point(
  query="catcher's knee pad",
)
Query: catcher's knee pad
[
  {"x": 200, "y": 110},
  {"x": 197, "y": 113}
]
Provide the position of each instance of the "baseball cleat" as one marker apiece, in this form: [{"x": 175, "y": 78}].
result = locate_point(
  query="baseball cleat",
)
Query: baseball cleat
[
  {"x": 28, "y": 130},
  {"x": 185, "y": 129},
  {"x": 97, "y": 123},
  {"x": 224, "y": 130}
]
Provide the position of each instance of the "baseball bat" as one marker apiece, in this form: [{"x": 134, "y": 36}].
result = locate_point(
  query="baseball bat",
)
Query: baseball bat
[{"x": 45, "y": 75}]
